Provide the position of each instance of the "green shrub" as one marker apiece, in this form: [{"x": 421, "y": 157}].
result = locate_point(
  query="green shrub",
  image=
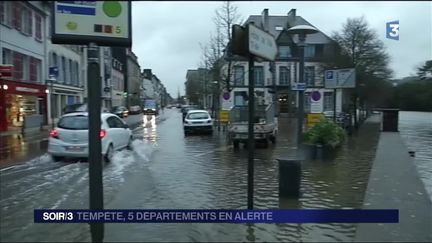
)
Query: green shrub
[{"x": 325, "y": 132}]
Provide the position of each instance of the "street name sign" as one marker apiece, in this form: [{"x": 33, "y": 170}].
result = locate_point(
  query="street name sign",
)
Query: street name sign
[
  {"x": 299, "y": 86},
  {"x": 261, "y": 43}
]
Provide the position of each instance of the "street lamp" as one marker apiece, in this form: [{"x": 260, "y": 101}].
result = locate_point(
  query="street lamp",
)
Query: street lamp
[{"x": 301, "y": 31}]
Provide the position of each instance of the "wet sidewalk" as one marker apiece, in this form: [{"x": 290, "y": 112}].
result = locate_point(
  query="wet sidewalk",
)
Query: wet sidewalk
[{"x": 394, "y": 183}]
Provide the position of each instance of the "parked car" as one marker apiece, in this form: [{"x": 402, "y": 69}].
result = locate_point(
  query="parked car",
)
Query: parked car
[
  {"x": 70, "y": 137},
  {"x": 186, "y": 108},
  {"x": 120, "y": 111},
  {"x": 198, "y": 121},
  {"x": 79, "y": 107},
  {"x": 136, "y": 109},
  {"x": 72, "y": 108}
]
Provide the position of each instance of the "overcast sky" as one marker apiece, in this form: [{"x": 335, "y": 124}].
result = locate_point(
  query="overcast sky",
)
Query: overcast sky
[{"x": 167, "y": 35}]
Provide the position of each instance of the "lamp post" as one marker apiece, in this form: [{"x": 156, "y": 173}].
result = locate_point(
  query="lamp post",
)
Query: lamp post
[{"x": 301, "y": 31}]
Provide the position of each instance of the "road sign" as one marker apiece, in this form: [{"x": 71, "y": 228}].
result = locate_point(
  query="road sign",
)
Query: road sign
[
  {"x": 299, "y": 86},
  {"x": 226, "y": 95},
  {"x": 317, "y": 104},
  {"x": 106, "y": 23},
  {"x": 6, "y": 71},
  {"x": 53, "y": 72},
  {"x": 224, "y": 116},
  {"x": 313, "y": 119},
  {"x": 340, "y": 78},
  {"x": 261, "y": 43}
]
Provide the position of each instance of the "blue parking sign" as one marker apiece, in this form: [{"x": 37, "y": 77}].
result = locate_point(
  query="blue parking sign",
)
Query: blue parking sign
[{"x": 329, "y": 75}]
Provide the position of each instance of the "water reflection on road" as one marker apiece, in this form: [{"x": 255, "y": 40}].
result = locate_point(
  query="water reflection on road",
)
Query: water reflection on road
[{"x": 168, "y": 170}]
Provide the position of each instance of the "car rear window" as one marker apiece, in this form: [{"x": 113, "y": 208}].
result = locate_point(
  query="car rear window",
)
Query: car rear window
[
  {"x": 198, "y": 115},
  {"x": 74, "y": 122}
]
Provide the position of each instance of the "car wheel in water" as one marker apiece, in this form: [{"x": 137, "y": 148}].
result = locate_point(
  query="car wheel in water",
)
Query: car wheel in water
[
  {"x": 129, "y": 146},
  {"x": 109, "y": 154}
]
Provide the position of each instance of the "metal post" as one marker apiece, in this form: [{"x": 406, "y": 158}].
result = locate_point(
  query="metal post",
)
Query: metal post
[
  {"x": 95, "y": 155},
  {"x": 52, "y": 102},
  {"x": 334, "y": 105},
  {"x": 300, "y": 112},
  {"x": 251, "y": 138}
]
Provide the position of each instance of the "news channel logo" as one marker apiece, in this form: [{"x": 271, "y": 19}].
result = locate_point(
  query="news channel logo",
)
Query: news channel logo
[{"x": 392, "y": 30}]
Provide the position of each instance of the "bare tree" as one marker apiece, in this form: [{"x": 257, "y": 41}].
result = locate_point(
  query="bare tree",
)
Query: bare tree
[{"x": 358, "y": 46}]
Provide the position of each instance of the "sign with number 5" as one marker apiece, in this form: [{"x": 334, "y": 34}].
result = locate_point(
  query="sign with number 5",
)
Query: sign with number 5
[{"x": 392, "y": 30}]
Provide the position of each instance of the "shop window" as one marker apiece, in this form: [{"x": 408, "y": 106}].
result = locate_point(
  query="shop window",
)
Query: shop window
[{"x": 328, "y": 101}]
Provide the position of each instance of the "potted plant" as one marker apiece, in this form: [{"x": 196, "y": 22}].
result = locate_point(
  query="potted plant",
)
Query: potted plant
[{"x": 322, "y": 140}]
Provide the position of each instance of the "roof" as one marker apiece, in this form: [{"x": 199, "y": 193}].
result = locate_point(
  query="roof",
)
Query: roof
[
  {"x": 197, "y": 111},
  {"x": 284, "y": 21}
]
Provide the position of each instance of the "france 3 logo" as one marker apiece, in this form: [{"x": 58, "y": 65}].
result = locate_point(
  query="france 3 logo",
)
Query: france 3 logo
[{"x": 392, "y": 30}]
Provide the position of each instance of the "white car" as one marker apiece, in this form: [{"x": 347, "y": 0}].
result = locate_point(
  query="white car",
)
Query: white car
[
  {"x": 198, "y": 120},
  {"x": 70, "y": 137}
]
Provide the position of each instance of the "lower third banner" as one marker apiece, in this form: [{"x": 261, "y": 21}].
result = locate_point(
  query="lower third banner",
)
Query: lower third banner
[{"x": 217, "y": 216}]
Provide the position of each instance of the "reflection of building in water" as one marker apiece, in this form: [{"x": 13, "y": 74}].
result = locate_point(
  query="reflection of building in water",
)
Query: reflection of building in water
[{"x": 18, "y": 106}]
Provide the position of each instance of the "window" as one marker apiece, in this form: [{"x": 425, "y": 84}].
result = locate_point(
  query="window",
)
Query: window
[
  {"x": 16, "y": 20},
  {"x": 307, "y": 101},
  {"x": 63, "y": 69},
  {"x": 6, "y": 13},
  {"x": 259, "y": 75},
  {"x": 198, "y": 116},
  {"x": 27, "y": 21},
  {"x": 310, "y": 76},
  {"x": 239, "y": 98},
  {"x": 38, "y": 27},
  {"x": 74, "y": 122},
  {"x": 114, "y": 122},
  {"x": 284, "y": 76},
  {"x": 70, "y": 72},
  {"x": 7, "y": 56},
  {"x": 309, "y": 51},
  {"x": 77, "y": 81},
  {"x": 328, "y": 101},
  {"x": 284, "y": 51},
  {"x": 35, "y": 66},
  {"x": 239, "y": 75},
  {"x": 18, "y": 62}
]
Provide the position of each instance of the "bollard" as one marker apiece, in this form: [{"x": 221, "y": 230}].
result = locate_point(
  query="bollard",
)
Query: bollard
[{"x": 289, "y": 177}]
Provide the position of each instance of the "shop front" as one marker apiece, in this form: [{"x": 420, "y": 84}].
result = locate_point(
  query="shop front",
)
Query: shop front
[{"x": 18, "y": 100}]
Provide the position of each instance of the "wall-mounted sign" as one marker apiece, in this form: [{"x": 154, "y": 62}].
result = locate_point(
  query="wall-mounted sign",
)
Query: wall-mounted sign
[
  {"x": 106, "y": 23},
  {"x": 24, "y": 89}
]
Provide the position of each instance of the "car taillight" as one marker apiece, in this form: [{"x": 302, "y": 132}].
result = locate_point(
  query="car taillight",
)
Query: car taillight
[
  {"x": 54, "y": 133},
  {"x": 102, "y": 133}
]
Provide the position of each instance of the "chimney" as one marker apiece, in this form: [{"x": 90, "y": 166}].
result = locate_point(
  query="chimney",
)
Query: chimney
[
  {"x": 265, "y": 19},
  {"x": 292, "y": 17}
]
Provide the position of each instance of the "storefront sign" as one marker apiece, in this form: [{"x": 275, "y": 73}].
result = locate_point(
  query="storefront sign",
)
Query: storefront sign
[{"x": 24, "y": 89}]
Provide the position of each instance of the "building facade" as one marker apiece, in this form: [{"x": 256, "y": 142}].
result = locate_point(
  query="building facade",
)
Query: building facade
[
  {"x": 133, "y": 79},
  {"x": 118, "y": 76},
  {"x": 274, "y": 80},
  {"x": 23, "y": 44}
]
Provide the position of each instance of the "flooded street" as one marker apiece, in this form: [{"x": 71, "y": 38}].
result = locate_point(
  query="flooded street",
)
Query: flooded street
[
  {"x": 416, "y": 130},
  {"x": 167, "y": 170}
]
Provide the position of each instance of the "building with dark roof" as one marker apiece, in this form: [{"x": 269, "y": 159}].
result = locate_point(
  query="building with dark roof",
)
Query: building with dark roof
[{"x": 273, "y": 81}]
